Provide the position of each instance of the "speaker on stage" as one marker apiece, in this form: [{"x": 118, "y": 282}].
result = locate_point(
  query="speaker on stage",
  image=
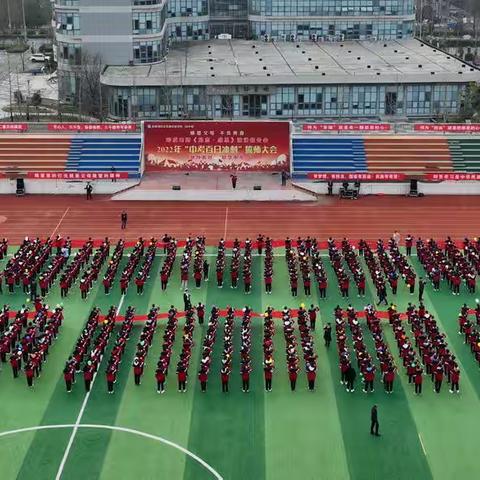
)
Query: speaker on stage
[
  {"x": 176, "y": 187},
  {"x": 257, "y": 187},
  {"x": 20, "y": 186},
  {"x": 413, "y": 188}
]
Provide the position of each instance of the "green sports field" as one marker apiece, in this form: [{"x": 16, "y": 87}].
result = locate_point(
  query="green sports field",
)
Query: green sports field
[{"x": 259, "y": 435}]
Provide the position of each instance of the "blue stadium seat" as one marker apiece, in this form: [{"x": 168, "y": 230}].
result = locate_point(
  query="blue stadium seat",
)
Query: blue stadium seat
[
  {"x": 321, "y": 154},
  {"x": 101, "y": 153}
]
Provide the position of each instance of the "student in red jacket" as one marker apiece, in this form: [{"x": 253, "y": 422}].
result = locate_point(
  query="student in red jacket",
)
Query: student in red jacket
[
  {"x": 388, "y": 379},
  {"x": 137, "y": 371},
  {"x": 29, "y": 373},
  {"x": 322, "y": 286},
  {"x": 455, "y": 379},
  {"x": 203, "y": 377},
  {"x": 111, "y": 377},
  {"x": 311, "y": 375},
  {"x": 182, "y": 380},
  {"x": 197, "y": 276},
  {"x": 418, "y": 378},
  {"x": 87, "y": 376},
  {"x": 292, "y": 375},
  {"x": 139, "y": 282},
  {"x": 68, "y": 377},
  {"x": 369, "y": 377},
  {"x": 245, "y": 380},
  {"x": 438, "y": 375},
  {"x": 225, "y": 376},
  {"x": 160, "y": 377},
  {"x": 15, "y": 364}
]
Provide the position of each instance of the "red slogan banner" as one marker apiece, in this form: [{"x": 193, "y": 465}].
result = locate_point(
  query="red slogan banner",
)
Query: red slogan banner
[
  {"x": 456, "y": 177},
  {"x": 77, "y": 175},
  {"x": 448, "y": 127},
  {"x": 217, "y": 146},
  {"x": 390, "y": 177},
  {"x": 92, "y": 127},
  {"x": 13, "y": 127},
  {"x": 346, "y": 127}
]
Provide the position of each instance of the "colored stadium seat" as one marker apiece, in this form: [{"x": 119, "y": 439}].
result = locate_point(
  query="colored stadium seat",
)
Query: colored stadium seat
[
  {"x": 410, "y": 155},
  {"x": 33, "y": 153},
  {"x": 101, "y": 153},
  {"x": 327, "y": 154},
  {"x": 465, "y": 154}
]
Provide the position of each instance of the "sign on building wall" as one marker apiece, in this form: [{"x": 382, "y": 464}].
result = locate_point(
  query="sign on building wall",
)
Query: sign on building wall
[
  {"x": 346, "y": 127},
  {"x": 13, "y": 127},
  {"x": 359, "y": 176},
  {"x": 448, "y": 127},
  {"x": 216, "y": 146},
  {"x": 92, "y": 127}
]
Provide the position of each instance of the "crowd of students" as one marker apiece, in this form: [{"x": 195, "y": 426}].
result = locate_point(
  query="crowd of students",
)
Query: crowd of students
[
  {"x": 227, "y": 353},
  {"x": 186, "y": 353},
  {"x": 133, "y": 261},
  {"x": 220, "y": 263},
  {"x": 93, "y": 269},
  {"x": 268, "y": 263},
  {"x": 113, "y": 265},
  {"x": 80, "y": 259},
  {"x": 119, "y": 349},
  {"x": 89, "y": 349},
  {"x": 207, "y": 348},
  {"x": 170, "y": 250},
  {"x": 144, "y": 271},
  {"x": 167, "y": 346},
  {"x": 470, "y": 330},
  {"x": 268, "y": 348}
]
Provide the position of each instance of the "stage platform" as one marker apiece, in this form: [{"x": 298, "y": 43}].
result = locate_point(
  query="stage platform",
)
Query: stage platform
[{"x": 213, "y": 186}]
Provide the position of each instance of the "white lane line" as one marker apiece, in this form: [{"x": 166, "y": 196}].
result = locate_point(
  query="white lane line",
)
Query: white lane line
[
  {"x": 120, "y": 429},
  {"x": 80, "y": 415},
  {"x": 226, "y": 224},
  {"x": 421, "y": 443},
  {"x": 60, "y": 222}
]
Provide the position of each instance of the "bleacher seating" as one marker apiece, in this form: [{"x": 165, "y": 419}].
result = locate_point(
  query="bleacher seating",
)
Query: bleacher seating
[
  {"x": 100, "y": 153},
  {"x": 410, "y": 155},
  {"x": 465, "y": 154},
  {"x": 73, "y": 153},
  {"x": 33, "y": 153},
  {"x": 323, "y": 154}
]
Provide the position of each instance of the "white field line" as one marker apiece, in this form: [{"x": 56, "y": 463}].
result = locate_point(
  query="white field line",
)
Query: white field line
[{"x": 80, "y": 415}]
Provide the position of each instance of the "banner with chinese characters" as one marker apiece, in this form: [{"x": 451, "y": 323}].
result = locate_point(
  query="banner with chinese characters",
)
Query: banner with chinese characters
[
  {"x": 92, "y": 127},
  {"x": 77, "y": 175},
  {"x": 358, "y": 176},
  {"x": 346, "y": 127},
  {"x": 216, "y": 146},
  {"x": 448, "y": 127},
  {"x": 452, "y": 176},
  {"x": 13, "y": 127}
]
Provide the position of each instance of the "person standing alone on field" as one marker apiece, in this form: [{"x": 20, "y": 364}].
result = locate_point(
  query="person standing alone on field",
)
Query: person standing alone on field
[
  {"x": 234, "y": 179},
  {"x": 124, "y": 219},
  {"x": 374, "y": 422},
  {"x": 89, "y": 190}
]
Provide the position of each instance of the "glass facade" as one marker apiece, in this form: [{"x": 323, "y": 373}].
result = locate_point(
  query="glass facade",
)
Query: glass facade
[{"x": 295, "y": 102}]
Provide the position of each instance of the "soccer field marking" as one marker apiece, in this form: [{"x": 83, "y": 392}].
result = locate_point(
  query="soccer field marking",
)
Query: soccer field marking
[
  {"x": 150, "y": 436},
  {"x": 60, "y": 222},
  {"x": 226, "y": 223},
  {"x": 80, "y": 415},
  {"x": 421, "y": 443}
]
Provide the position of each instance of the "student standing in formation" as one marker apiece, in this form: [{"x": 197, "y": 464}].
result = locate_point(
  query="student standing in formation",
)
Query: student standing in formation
[
  {"x": 205, "y": 271},
  {"x": 327, "y": 334},
  {"x": 421, "y": 289},
  {"x": 374, "y": 425},
  {"x": 123, "y": 220},
  {"x": 312, "y": 315}
]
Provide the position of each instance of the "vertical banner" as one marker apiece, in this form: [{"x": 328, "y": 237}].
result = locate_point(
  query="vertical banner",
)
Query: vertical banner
[{"x": 217, "y": 146}]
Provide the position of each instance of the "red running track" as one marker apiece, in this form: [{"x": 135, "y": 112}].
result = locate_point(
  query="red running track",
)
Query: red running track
[{"x": 370, "y": 218}]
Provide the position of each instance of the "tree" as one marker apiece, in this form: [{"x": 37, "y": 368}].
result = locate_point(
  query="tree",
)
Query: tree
[
  {"x": 471, "y": 103},
  {"x": 89, "y": 95}
]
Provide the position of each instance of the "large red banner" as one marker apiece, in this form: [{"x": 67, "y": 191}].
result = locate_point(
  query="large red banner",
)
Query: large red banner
[
  {"x": 92, "y": 127},
  {"x": 13, "y": 127},
  {"x": 346, "y": 127},
  {"x": 215, "y": 146},
  {"x": 448, "y": 127},
  {"x": 363, "y": 176},
  {"x": 77, "y": 175}
]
